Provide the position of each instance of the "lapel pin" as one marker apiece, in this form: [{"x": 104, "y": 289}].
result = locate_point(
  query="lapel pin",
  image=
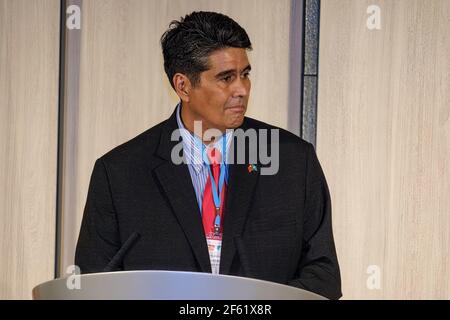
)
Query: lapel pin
[{"x": 252, "y": 167}]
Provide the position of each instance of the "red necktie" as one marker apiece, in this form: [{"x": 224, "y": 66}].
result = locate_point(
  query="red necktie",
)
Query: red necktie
[{"x": 208, "y": 208}]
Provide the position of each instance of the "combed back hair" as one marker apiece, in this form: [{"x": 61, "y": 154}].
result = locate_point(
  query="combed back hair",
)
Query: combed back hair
[{"x": 187, "y": 44}]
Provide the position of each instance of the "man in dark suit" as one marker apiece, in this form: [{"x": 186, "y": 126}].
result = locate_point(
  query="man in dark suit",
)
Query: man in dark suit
[{"x": 215, "y": 211}]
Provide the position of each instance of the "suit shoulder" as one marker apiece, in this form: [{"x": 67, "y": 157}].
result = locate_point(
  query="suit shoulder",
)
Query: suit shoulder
[
  {"x": 287, "y": 138},
  {"x": 136, "y": 147}
]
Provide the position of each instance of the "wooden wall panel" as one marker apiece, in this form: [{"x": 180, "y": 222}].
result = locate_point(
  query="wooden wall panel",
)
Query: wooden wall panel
[
  {"x": 384, "y": 143},
  {"x": 123, "y": 88},
  {"x": 29, "y": 56}
]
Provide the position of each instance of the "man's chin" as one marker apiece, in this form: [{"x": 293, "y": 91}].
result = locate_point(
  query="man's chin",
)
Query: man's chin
[{"x": 236, "y": 123}]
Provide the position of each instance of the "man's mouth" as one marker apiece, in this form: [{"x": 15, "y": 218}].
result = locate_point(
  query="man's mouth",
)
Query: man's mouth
[{"x": 237, "y": 108}]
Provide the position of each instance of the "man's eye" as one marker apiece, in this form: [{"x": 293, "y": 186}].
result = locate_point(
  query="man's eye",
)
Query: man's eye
[
  {"x": 246, "y": 75},
  {"x": 227, "y": 78}
]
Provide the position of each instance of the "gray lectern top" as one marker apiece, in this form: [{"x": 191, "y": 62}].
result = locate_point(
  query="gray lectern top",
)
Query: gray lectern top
[{"x": 166, "y": 285}]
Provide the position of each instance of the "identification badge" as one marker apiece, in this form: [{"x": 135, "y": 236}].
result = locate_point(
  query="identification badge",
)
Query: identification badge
[{"x": 214, "y": 248}]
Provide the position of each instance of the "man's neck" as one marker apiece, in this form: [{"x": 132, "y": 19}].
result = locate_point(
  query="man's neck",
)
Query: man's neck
[{"x": 188, "y": 122}]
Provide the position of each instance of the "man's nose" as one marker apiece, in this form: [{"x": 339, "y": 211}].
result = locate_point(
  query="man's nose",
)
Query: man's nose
[{"x": 242, "y": 88}]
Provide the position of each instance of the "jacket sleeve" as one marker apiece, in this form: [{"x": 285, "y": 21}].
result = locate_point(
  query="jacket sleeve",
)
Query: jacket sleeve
[
  {"x": 99, "y": 236},
  {"x": 318, "y": 269}
]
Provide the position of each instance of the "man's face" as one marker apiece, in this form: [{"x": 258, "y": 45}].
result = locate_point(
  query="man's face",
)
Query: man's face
[{"x": 220, "y": 99}]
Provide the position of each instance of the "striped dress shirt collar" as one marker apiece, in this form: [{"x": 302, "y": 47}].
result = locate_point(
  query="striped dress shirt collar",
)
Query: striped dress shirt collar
[{"x": 193, "y": 146}]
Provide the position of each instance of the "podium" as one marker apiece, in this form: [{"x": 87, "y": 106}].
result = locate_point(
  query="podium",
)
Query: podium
[{"x": 166, "y": 285}]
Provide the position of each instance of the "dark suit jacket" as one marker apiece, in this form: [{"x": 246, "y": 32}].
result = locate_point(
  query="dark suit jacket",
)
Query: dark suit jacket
[{"x": 276, "y": 227}]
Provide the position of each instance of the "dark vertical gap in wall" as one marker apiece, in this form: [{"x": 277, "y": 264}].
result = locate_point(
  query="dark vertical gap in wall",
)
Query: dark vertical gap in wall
[
  {"x": 308, "y": 121},
  {"x": 295, "y": 66},
  {"x": 61, "y": 91},
  {"x": 302, "y": 90}
]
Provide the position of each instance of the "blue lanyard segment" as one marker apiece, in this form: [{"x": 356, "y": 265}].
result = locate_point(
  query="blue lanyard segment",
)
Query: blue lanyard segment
[{"x": 217, "y": 193}]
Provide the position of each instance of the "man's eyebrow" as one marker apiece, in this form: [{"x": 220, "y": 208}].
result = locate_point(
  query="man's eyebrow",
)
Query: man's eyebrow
[
  {"x": 247, "y": 68},
  {"x": 225, "y": 73},
  {"x": 232, "y": 71}
]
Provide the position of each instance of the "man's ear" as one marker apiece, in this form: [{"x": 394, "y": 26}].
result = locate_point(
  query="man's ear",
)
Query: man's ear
[{"x": 182, "y": 86}]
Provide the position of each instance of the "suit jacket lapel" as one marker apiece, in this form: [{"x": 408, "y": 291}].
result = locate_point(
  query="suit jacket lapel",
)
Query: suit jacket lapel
[
  {"x": 177, "y": 184},
  {"x": 240, "y": 189}
]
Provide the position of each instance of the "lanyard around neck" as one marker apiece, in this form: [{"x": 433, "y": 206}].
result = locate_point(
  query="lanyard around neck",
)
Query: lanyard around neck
[{"x": 217, "y": 193}]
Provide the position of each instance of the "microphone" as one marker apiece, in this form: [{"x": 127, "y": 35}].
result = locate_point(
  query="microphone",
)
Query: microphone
[{"x": 118, "y": 257}]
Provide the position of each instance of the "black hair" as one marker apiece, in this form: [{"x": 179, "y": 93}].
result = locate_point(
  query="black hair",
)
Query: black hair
[{"x": 187, "y": 44}]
